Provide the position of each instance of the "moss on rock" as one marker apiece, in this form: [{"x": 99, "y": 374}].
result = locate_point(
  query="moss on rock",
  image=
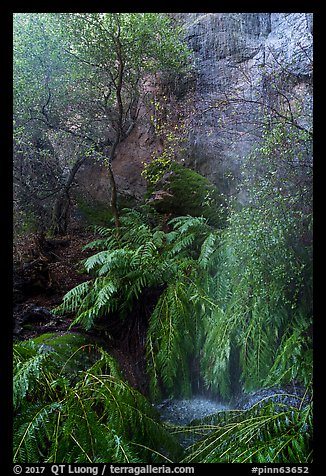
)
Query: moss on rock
[
  {"x": 93, "y": 212},
  {"x": 179, "y": 191},
  {"x": 75, "y": 352}
]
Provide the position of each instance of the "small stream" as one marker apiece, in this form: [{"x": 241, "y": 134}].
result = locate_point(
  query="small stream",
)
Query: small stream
[{"x": 183, "y": 412}]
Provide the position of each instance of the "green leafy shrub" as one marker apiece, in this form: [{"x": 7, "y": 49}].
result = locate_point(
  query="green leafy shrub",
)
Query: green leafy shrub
[
  {"x": 235, "y": 301},
  {"x": 98, "y": 418},
  {"x": 258, "y": 293},
  {"x": 230, "y": 299},
  {"x": 256, "y": 302}
]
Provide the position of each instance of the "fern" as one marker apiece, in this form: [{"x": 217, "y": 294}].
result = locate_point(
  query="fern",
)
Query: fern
[
  {"x": 33, "y": 368},
  {"x": 215, "y": 361},
  {"x": 185, "y": 223},
  {"x": 263, "y": 434},
  {"x": 106, "y": 261},
  {"x": 251, "y": 300},
  {"x": 145, "y": 257},
  {"x": 228, "y": 303},
  {"x": 293, "y": 361},
  {"x": 33, "y": 431},
  {"x": 172, "y": 339},
  {"x": 99, "y": 418},
  {"x": 74, "y": 298},
  {"x": 187, "y": 231},
  {"x": 230, "y": 295},
  {"x": 208, "y": 248}
]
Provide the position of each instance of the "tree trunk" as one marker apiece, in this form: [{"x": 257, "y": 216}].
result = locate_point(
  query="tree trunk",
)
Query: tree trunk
[
  {"x": 60, "y": 216},
  {"x": 113, "y": 200},
  {"x": 61, "y": 210}
]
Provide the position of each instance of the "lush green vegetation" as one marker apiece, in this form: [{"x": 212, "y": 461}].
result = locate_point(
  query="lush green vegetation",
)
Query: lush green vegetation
[
  {"x": 97, "y": 418},
  {"x": 78, "y": 86},
  {"x": 175, "y": 190},
  {"x": 230, "y": 280},
  {"x": 267, "y": 433},
  {"x": 233, "y": 303}
]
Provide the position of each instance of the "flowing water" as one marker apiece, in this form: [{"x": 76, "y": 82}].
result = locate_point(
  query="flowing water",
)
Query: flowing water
[
  {"x": 187, "y": 412},
  {"x": 183, "y": 412}
]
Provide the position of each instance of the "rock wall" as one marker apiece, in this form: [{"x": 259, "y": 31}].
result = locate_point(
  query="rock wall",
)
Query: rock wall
[{"x": 234, "y": 55}]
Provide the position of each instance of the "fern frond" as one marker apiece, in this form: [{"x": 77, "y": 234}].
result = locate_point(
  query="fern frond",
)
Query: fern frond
[
  {"x": 127, "y": 408},
  {"x": 159, "y": 238},
  {"x": 185, "y": 223},
  {"x": 257, "y": 346},
  {"x": 107, "y": 289},
  {"x": 73, "y": 298},
  {"x": 181, "y": 244},
  {"x": 104, "y": 231},
  {"x": 215, "y": 360},
  {"x": 207, "y": 249},
  {"x": 258, "y": 435},
  {"x": 293, "y": 360},
  {"x": 105, "y": 260},
  {"x": 111, "y": 242},
  {"x": 32, "y": 436},
  {"x": 33, "y": 372},
  {"x": 173, "y": 331},
  {"x": 143, "y": 255}
]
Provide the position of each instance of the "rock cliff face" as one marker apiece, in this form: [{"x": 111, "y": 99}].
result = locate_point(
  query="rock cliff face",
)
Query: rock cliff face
[{"x": 237, "y": 57}]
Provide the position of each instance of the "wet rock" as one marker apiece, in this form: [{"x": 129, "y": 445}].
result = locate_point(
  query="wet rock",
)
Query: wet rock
[
  {"x": 31, "y": 316},
  {"x": 184, "y": 412},
  {"x": 234, "y": 54},
  {"x": 34, "y": 313},
  {"x": 291, "y": 396}
]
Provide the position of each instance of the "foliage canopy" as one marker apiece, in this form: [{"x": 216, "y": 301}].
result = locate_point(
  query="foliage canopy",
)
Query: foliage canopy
[{"x": 78, "y": 87}]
